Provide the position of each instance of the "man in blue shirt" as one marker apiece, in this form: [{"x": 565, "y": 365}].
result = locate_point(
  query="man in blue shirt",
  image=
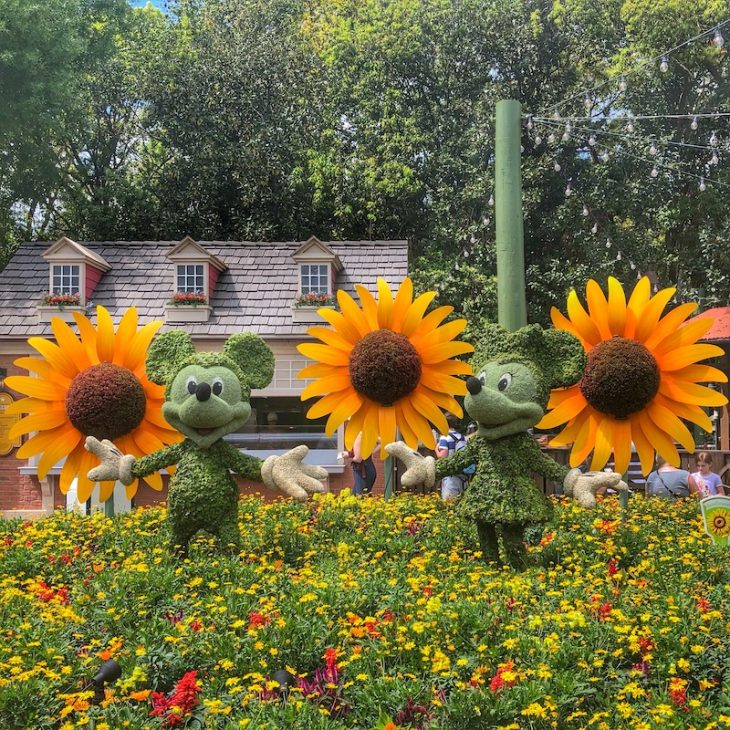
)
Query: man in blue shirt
[{"x": 451, "y": 487}]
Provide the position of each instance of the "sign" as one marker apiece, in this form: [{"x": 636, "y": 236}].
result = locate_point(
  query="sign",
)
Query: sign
[{"x": 7, "y": 421}]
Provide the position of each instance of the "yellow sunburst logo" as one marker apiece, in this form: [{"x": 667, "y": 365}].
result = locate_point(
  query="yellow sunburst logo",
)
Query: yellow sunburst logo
[
  {"x": 386, "y": 366},
  {"x": 93, "y": 384},
  {"x": 642, "y": 377}
]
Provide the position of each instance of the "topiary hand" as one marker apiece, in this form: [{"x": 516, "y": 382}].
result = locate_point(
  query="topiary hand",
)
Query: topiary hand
[
  {"x": 583, "y": 487},
  {"x": 114, "y": 466},
  {"x": 420, "y": 470},
  {"x": 287, "y": 474}
]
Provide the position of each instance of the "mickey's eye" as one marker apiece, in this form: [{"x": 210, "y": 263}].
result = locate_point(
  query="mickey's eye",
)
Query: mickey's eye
[
  {"x": 504, "y": 381},
  {"x": 192, "y": 385},
  {"x": 217, "y": 386}
]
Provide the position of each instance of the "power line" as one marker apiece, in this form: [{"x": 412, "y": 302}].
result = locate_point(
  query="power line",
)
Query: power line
[
  {"x": 634, "y": 117},
  {"x": 661, "y": 57}
]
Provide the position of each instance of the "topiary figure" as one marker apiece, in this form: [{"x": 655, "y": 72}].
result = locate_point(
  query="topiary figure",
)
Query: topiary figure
[
  {"x": 207, "y": 397},
  {"x": 515, "y": 372}
]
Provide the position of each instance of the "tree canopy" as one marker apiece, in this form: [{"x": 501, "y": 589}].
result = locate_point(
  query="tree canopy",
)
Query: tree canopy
[{"x": 278, "y": 119}]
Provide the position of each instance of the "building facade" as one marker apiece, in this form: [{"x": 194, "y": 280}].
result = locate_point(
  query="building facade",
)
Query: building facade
[{"x": 211, "y": 289}]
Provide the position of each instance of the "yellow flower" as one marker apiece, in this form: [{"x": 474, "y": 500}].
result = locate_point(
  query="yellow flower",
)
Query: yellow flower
[
  {"x": 385, "y": 367},
  {"x": 93, "y": 384},
  {"x": 641, "y": 379}
]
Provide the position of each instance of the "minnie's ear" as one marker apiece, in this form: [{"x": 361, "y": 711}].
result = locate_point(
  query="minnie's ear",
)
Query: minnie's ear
[
  {"x": 166, "y": 354},
  {"x": 253, "y": 356},
  {"x": 565, "y": 359}
]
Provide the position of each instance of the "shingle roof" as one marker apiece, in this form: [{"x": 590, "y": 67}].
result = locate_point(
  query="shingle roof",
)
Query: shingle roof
[{"x": 254, "y": 294}]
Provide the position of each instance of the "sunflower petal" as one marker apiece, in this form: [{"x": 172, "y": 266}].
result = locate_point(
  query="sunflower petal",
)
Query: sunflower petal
[
  {"x": 688, "y": 411},
  {"x": 668, "y": 324},
  {"x": 621, "y": 446},
  {"x": 403, "y": 300},
  {"x": 137, "y": 349},
  {"x": 561, "y": 322},
  {"x": 585, "y": 439},
  {"x": 106, "y": 489},
  {"x": 40, "y": 442},
  {"x": 318, "y": 370},
  {"x": 568, "y": 409},
  {"x": 44, "y": 369},
  {"x": 445, "y": 333},
  {"x": 349, "y": 405},
  {"x": 354, "y": 425},
  {"x": 70, "y": 344},
  {"x": 443, "y": 400},
  {"x": 66, "y": 439},
  {"x": 658, "y": 438},
  {"x": 643, "y": 446},
  {"x": 385, "y": 304},
  {"x": 70, "y": 468},
  {"x": 340, "y": 323},
  {"x": 431, "y": 321},
  {"x": 581, "y": 321},
  {"x": 427, "y": 408},
  {"x": 443, "y": 383},
  {"x": 568, "y": 435},
  {"x": 598, "y": 308},
  {"x": 560, "y": 395},
  {"x": 688, "y": 356},
  {"x": 85, "y": 486},
  {"x": 125, "y": 334},
  {"x": 616, "y": 307},
  {"x": 104, "y": 335},
  {"x": 36, "y": 388},
  {"x": 131, "y": 489},
  {"x": 408, "y": 434},
  {"x": 369, "y": 306},
  {"x": 55, "y": 355},
  {"x": 324, "y": 354},
  {"x": 352, "y": 312},
  {"x": 444, "y": 351},
  {"x": 417, "y": 423},
  {"x": 387, "y": 423},
  {"x": 451, "y": 367},
  {"x": 684, "y": 392},
  {"x": 664, "y": 419},
  {"x": 370, "y": 428},
  {"x": 330, "y": 338},
  {"x": 325, "y": 405},
  {"x": 329, "y": 384},
  {"x": 87, "y": 332},
  {"x": 603, "y": 444},
  {"x": 154, "y": 480},
  {"x": 648, "y": 318},
  {"x": 415, "y": 312},
  {"x": 700, "y": 374},
  {"x": 685, "y": 335},
  {"x": 38, "y": 422}
]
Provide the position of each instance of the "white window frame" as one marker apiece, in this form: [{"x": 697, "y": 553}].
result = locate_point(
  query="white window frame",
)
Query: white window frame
[
  {"x": 328, "y": 276},
  {"x": 179, "y": 264},
  {"x": 82, "y": 277}
]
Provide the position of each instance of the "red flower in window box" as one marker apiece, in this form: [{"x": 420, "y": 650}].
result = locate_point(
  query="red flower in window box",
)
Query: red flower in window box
[
  {"x": 61, "y": 300},
  {"x": 189, "y": 299},
  {"x": 313, "y": 299}
]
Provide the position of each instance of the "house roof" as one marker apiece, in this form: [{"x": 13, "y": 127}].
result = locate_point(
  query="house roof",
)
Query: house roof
[
  {"x": 253, "y": 294},
  {"x": 720, "y": 329}
]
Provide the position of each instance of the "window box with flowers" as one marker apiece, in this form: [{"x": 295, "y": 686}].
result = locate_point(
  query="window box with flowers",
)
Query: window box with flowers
[
  {"x": 304, "y": 309},
  {"x": 59, "y": 305},
  {"x": 188, "y": 307}
]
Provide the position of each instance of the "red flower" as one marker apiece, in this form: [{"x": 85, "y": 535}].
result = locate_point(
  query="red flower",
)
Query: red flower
[
  {"x": 195, "y": 625},
  {"x": 184, "y": 699},
  {"x": 257, "y": 619},
  {"x": 499, "y": 682},
  {"x": 612, "y": 566},
  {"x": 604, "y": 610},
  {"x": 703, "y": 605}
]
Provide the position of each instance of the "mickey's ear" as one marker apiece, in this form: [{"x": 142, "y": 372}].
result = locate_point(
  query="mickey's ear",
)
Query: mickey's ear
[
  {"x": 566, "y": 360},
  {"x": 166, "y": 354},
  {"x": 253, "y": 356}
]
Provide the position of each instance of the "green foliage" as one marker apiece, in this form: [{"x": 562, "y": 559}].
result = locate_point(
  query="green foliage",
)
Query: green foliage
[
  {"x": 166, "y": 354},
  {"x": 253, "y": 356},
  {"x": 275, "y": 119}
]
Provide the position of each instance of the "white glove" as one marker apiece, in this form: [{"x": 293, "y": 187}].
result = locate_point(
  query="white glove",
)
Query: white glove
[
  {"x": 420, "y": 470},
  {"x": 583, "y": 487},
  {"x": 114, "y": 465},
  {"x": 287, "y": 474}
]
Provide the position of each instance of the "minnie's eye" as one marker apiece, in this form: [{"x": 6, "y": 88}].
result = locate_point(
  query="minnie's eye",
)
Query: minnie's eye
[
  {"x": 504, "y": 381},
  {"x": 217, "y": 386},
  {"x": 482, "y": 379},
  {"x": 192, "y": 385}
]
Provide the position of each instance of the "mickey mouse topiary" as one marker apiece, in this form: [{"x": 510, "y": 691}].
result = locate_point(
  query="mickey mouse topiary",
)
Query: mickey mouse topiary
[
  {"x": 207, "y": 396},
  {"x": 515, "y": 372}
]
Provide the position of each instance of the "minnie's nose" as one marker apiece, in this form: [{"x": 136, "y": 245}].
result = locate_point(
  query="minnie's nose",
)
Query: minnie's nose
[{"x": 473, "y": 385}]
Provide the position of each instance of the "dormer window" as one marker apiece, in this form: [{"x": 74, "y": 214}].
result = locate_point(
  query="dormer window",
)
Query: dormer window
[
  {"x": 191, "y": 279},
  {"x": 66, "y": 279},
  {"x": 316, "y": 278}
]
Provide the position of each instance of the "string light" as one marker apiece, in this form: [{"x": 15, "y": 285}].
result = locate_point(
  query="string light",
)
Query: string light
[
  {"x": 632, "y": 265},
  {"x": 588, "y": 101},
  {"x": 618, "y": 256},
  {"x": 664, "y": 65},
  {"x": 622, "y": 84},
  {"x": 538, "y": 140},
  {"x": 694, "y": 124},
  {"x": 718, "y": 40},
  {"x": 630, "y": 125},
  {"x": 551, "y": 138},
  {"x": 556, "y": 166},
  {"x": 568, "y": 190},
  {"x": 605, "y": 156},
  {"x": 714, "y": 160},
  {"x": 556, "y": 114},
  {"x": 592, "y": 140},
  {"x": 608, "y": 243},
  {"x": 490, "y": 202},
  {"x": 567, "y": 132},
  {"x": 530, "y": 123},
  {"x": 586, "y": 212},
  {"x": 713, "y": 139},
  {"x": 653, "y": 149},
  {"x": 703, "y": 186},
  {"x": 654, "y": 171},
  {"x": 595, "y": 228}
]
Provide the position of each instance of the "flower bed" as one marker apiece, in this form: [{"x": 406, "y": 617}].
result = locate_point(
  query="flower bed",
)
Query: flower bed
[{"x": 381, "y": 613}]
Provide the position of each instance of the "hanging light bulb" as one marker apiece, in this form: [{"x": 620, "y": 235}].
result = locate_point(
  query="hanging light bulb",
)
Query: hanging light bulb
[
  {"x": 456, "y": 266},
  {"x": 605, "y": 156},
  {"x": 485, "y": 221},
  {"x": 622, "y": 84},
  {"x": 714, "y": 159},
  {"x": 522, "y": 149},
  {"x": 718, "y": 40},
  {"x": 694, "y": 123},
  {"x": 654, "y": 171},
  {"x": 592, "y": 140},
  {"x": 664, "y": 65},
  {"x": 556, "y": 166},
  {"x": 632, "y": 265},
  {"x": 618, "y": 256},
  {"x": 568, "y": 190},
  {"x": 472, "y": 240},
  {"x": 490, "y": 202},
  {"x": 538, "y": 140},
  {"x": 595, "y": 228},
  {"x": 556, "y": 114},
  {"x": 703, "y": 185},
  {"x": 609, "y": 242},
  {"x": 586, "y": 212},
  {"x": 713, "y": 139},
  {"x": 588, "y": 102},
  {"x": 630, "y": 124},
  {"x": 567, "y": 132},
  {"x": 653, "y": 149},
  {"x": 530, "y": 125},
  {"x": 551, "y": 138}
]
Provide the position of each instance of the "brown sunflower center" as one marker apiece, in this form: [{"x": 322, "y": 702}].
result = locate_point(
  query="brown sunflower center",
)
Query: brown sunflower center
[
  {"x": 621, "y": 377},
  {"x": 105, "y": 401},
  {"x": 384, "y": 366}
]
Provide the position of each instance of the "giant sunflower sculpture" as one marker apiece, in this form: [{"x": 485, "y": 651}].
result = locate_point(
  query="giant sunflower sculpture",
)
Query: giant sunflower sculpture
[
  {"x": 642, "y": 377},
  {"x": 385, "y": 366},
  {"x": 91, "y": 385}
]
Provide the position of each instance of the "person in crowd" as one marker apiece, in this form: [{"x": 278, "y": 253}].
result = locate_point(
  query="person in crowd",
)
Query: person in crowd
[
  {"x": 708, "y": 483},
  {"x": 363, "y": 470},
  {"x": 452, "y": 487},
  {"x": 669, "y": 482}
]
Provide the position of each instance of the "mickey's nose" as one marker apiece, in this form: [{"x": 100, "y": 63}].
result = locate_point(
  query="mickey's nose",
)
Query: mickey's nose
[
  {"x": 202, "y": 392},
  {"x": 473, "y": 385}
]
